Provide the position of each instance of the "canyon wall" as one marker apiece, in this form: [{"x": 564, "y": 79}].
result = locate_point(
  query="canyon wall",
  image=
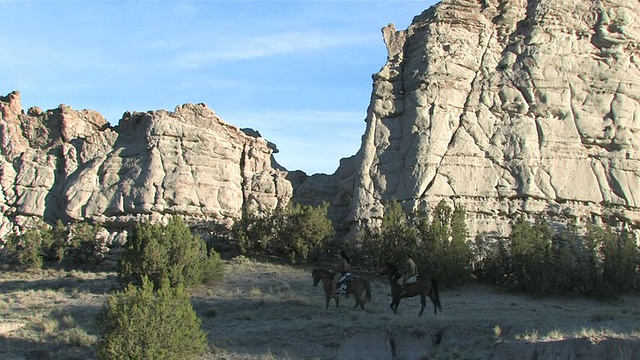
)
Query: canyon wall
[{"x": 508, "y": 108}]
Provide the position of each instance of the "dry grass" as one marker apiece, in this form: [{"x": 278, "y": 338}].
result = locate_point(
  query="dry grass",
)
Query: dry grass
[
  {"x": 267, "y": 311},
  {"x": 55, "y": 310}
]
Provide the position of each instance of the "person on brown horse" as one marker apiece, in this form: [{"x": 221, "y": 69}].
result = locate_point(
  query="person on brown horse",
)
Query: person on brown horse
[
  {"x": 410, "y": 275},
  {"x": 342, "y": 274}
]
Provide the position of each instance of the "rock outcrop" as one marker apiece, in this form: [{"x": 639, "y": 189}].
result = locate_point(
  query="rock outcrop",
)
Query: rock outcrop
[
  {"x": 72, "y": 165},
  {"x": 506, "y": 107}
]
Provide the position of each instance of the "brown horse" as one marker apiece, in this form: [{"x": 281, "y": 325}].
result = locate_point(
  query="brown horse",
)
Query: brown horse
[
  {"x": 423, "y": 287},
  {"x": 359, "y": 287}
]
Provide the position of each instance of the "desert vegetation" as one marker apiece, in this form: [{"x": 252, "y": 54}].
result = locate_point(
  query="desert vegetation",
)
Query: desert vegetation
[{"x": 172, "y": 296}]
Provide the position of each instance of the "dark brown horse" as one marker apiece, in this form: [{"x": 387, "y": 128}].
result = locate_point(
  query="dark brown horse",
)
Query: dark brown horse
[
  {"x": 359, "y": 287},
  {"x": 424, "y": 287}
]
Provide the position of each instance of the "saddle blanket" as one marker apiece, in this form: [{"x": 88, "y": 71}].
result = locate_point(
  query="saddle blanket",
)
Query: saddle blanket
[
  {"x": 345, "y": 277},
  {"x": 410, "y": 280}
]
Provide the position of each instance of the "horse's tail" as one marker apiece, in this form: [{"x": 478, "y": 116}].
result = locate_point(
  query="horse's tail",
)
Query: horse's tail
[
  {"x": 436, "y": 292},
  {"x": 367, "y": 287}
]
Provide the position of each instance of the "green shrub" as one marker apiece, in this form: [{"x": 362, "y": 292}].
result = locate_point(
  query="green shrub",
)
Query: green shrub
[
  {"x": 448, "y": 255},
  {"x": 307, "y": 232},
  {"x": 396, "y": 238},
  {"x": 58, "y": 249},
  {"x": 84, "y": 245},
  {"x": 598, "y": 263},
  {"x": 139, "y": 323},
  {"x": 253, "y": 233},
  {"x": 495, "y": 261},
  {"x": 620, "y": 262},
  {"x": 439, "y": 245},
  {"x": 78, "y": 244},
  {"x": 566, "y": 246},
  {"x": 170, "y": 251},
  {"x": 532, "y": 256},
  {"x": 28, "y": 248},
  {"x": 297, "y": 232}
]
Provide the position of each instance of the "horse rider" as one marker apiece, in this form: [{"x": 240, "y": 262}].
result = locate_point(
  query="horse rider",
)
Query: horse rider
[
  {"x": 409, "y": 276},
  {"x": 342, "y": 274}
]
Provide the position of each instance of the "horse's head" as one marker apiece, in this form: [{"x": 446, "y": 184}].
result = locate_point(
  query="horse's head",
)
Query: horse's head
[{"x": 390, "y": 269}]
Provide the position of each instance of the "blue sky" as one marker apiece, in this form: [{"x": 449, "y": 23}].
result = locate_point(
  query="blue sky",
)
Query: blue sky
[{"x": 299, "y": 72}]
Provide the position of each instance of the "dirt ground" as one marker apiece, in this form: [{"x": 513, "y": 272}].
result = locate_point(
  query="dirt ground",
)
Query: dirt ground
[
  {"x": 269, "y": 311},
  {"x": 265, "y": 311}
]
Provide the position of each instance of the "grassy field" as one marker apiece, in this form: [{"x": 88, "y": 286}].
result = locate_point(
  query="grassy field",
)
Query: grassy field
[{"x": 264, "y": 310}]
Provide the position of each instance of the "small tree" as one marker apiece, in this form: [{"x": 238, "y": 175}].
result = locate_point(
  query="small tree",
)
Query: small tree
[
  {"x": 29, "y": 248},
  {"x": 298, "y": 232},
  {"x": 448, "y": 255},
  {"x": 495, "y": 261},
  {"x": 305, "y": 232},
  {"x": 532, "y": 256},
  {"x": 170, "y": 251},
  {"x": 620, "y": 261},
  {"x": 139, "y": 323},
  {"x": 253, "y": 233},
  {"x": 588, "y": 263},
  {"x": 399, "y": 235},
  {"x": 85, "y": 246},
  {"x": 566, "y": 247},
  {"x": 58, "y": 249},
  {"x": 396, "y": 238},
  {"x": 459, "y": 255}
]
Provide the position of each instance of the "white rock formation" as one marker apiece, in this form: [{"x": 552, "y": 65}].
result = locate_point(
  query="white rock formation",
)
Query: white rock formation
[
  {"x": 506, "y": 107},
  {"x": 71, "y": 165}
]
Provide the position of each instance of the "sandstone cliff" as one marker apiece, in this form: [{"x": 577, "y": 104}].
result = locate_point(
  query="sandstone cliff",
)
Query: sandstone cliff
[
  {"x": 72, "y": 165},
  {"x": 506, "y": 107}
]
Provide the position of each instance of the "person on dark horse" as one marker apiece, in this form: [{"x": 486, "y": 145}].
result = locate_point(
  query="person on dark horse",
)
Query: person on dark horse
[
  {"x": 409, "y": 276},
  {"x": 342, "y": 274},
  {"x": 423, "y": 286}
]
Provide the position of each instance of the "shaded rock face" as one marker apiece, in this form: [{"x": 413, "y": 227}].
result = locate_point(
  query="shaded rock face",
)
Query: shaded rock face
[
  {"x": 506, "y": 107},
  {"x": 72, "y": 165}
]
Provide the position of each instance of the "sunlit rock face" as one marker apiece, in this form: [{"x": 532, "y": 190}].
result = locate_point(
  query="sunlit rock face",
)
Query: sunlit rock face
[
  {"x": 72, "y": 165},
  {"x": 506, "y": 107}
]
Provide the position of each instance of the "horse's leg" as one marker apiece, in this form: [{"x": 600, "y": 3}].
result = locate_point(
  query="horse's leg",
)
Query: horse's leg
[
  {"x": 394, "y": 305},
  {"x": 436, "y": 293},
  {"x": 326, "y": 307},
  {"x": 435, "y": 303},
  {"x": 423, "y": 302},
  {"x": 359, "y": 300}
]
